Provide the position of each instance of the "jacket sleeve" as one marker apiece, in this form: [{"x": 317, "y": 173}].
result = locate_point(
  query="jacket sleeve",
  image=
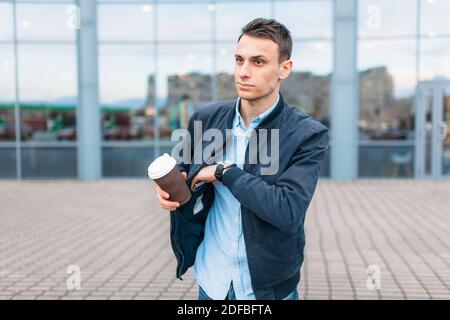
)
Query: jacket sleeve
[{"x": 284, "y": 203}]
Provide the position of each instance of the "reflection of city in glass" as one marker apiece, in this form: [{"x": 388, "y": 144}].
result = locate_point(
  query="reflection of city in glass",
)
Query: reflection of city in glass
[
  {"x": 155, "y": 68},
  {"x": 401, "y": 44},
  {"x": 382, "y": 115}
]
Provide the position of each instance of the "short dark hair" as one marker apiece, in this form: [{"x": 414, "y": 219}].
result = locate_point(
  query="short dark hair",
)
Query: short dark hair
[{"x": 273, "y": 30}]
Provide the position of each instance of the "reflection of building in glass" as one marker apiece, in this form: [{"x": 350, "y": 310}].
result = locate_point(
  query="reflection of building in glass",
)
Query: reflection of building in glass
[
  {"x": 382, "y": 116},
  {"x": 309, "y": 92},
  {"x": 380, "y": 112},
  {"x": 303, "y": 89},
  {"x": 195, "y": 86},
  {"x": 183, "y": 92},
  {"x": 7, "y": 126},
  {"x": 226, "y": 89},
  {"x": 174, "y": 116},
  {"x": 131, "y": 119},
  {"x": 46, "y": 122},
  {"x": 150, "y": 101},
  {"x": 376, "y": 89},
  {"x": 131, "y": 109}
]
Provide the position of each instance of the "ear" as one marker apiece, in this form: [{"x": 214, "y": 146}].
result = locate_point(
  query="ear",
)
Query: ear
[{"x": 285, "y": 69}]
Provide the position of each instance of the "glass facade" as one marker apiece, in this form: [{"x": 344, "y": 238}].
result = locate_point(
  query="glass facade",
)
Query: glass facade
[
  {"x": 156, "y": 67},
  {"x": 7, "y": 94},
  {"x": 38, "y": 91},
  {"x": 400, "y": 43},
  {"x": 157, "y": 70}
]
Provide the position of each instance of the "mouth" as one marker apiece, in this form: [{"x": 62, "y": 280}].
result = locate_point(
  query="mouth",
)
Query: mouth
[{"x": 244, "y": 85}]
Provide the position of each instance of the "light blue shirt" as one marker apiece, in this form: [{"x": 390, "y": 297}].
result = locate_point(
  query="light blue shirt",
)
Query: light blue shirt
[{"x": 221, "y": 257}]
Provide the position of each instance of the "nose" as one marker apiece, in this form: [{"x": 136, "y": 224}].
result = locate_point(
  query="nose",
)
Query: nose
[{"x": 244, "y": 70}]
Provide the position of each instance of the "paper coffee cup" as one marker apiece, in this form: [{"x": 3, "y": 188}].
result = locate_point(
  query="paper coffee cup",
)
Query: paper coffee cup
[{"x": 165, "y": 173}]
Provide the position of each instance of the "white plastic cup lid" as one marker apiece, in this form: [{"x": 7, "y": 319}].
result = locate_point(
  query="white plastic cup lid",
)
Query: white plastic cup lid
[{"x": 161, "y": 166}]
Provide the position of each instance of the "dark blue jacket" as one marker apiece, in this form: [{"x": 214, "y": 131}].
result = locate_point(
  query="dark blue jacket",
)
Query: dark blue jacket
[{"x": 273, "y": 206}]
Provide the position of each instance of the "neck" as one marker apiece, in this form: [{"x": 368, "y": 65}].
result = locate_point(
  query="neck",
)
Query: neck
[{"x": 250, "y": 109}]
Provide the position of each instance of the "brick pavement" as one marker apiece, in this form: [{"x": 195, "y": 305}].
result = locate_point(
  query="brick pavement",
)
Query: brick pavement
[{"x": 119, "y": 237}]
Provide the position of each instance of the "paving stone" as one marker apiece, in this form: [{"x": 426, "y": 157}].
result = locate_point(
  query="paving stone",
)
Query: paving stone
[{"x": 123, "y": 247}]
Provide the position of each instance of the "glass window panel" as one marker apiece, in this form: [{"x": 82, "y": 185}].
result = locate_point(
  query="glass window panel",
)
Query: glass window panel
[
  {"x": 306, "y": 19},
  {"x": 184, "y": 22},
  {"x": 49, "y": 162},
  {"x": 7, "y": 162},
  {"x": 126, "y": 161},
  {"x": 434, "y": 17},
  {"x": 53, "y": 22},
  {"x": 7, "y": 93},
  {"x": 7, "y": 122},
  {"x": 386, "y": 161},
  {"x": 225, "y": 85},
  {"x": 7, "y": 78},
  {"x": 386, "y": 89},
  {"x": 225, "y": 57},
  {"x": 387, "y": 18},
  {"x": 138, "y": 24},
  {"x": 127, "y": 91},
  {"x": 434, "y": 59},
  {"x": 6, "y": 22},
  {"x": 232, "y": 17},
  {"x": 308, "y": 86},
  {"x": 48, "y": 92},
  {"x": 184, "y": 83}
]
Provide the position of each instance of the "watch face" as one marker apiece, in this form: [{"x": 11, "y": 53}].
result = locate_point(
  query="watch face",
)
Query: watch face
[{"x": 218, "y": 172}]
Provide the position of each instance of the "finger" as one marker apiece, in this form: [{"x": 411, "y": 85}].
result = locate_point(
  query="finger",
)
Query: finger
[
  {"x": 167, "y": 203},
  {"x": 169, "y": 208},
  {"x": 162, "y": 192},
  {"x": 193, "y": 183}
]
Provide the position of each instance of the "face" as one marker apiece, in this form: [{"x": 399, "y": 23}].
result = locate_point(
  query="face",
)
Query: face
[{"x": 257, "y": 71}]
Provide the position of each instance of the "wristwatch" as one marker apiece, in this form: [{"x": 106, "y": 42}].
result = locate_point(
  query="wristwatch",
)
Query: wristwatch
[{"x": 221, "y": 166}]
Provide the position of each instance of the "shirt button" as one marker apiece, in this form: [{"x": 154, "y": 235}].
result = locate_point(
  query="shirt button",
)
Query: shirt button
[{"x": 234, "y": 244}]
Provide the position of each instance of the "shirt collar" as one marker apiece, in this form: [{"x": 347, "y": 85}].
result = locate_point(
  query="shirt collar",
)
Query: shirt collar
[{"x": 239, "y": 121}]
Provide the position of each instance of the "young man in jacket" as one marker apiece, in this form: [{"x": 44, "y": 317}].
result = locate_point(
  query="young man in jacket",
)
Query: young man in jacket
[{"x": 243, "y": 229}]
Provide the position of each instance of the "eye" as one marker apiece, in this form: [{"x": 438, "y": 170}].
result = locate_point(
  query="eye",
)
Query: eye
[
  {"x": 239, "y": 60},
  {"x": 259, "y": 62}
]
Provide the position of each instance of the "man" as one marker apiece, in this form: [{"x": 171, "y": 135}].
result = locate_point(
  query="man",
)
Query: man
[{"x": 242, "y": 228}]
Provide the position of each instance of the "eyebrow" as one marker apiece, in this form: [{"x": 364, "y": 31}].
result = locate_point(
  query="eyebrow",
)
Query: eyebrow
[{"x": 254, "y": 57}]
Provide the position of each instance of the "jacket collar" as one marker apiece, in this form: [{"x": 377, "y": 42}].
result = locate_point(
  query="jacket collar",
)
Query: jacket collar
[{"x": 266, "y": 122}]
